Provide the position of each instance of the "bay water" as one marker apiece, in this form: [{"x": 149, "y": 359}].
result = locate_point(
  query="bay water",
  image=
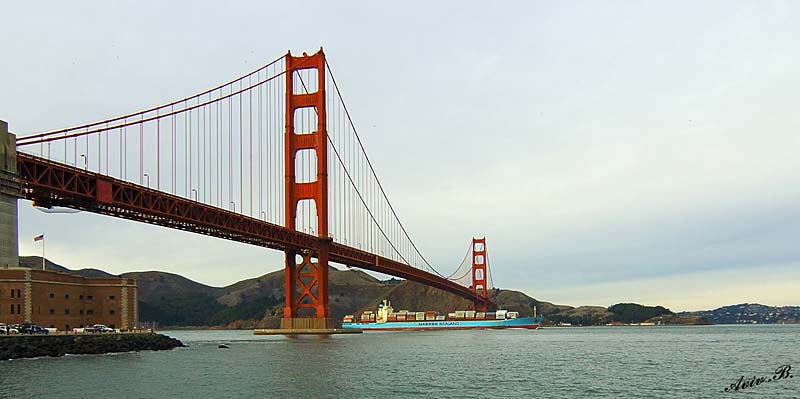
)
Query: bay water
[{"x": 594, "y": 362}]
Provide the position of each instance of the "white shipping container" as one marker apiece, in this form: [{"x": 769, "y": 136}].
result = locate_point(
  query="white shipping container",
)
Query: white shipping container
[
  {"x": 420, "y": 316},
  {"x": 501, "y": 314},
  {"x": 470, "y": 314},
  {"x": 460, "y": 313},
  {"x": 451, "y": 315},
  {"x": 440, "y": 318}
]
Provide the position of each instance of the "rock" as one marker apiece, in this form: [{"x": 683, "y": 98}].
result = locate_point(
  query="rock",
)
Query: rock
[{"x": 26, "y": 346}]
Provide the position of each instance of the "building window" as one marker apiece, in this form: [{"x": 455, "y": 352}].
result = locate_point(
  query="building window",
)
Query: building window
[
  {"x": 66, "y": 311},
  {"x": 66, "y": 296},
  {"x": 18, "y": 294},
  {"x": 12, "y": 308},
  {"x": 90, "y": 312},
  {"x": 52, "y": 311},
  {"x": 12, "y": 293},
  {"x": 18, "y": 312},
  {"x": 52, "y": 295},
  {"x": 90, "y": 297},
  {"x": 111, "y": 311},
  {"x": 111, "y": 297},
  {"x": 80, "y": 297},
  {"x": 81, "y": 312}
]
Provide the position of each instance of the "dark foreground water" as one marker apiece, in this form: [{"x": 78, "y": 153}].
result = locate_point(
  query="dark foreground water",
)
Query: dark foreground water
[{"x": 601, "y": 362}]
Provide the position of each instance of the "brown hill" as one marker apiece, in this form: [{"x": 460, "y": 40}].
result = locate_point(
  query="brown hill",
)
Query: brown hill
[
  {"x": 409, "y": 295},
  {"x": 349, "y": 290},
  {"x": 519, "y": 302},
  {"x": 35, "y": 262},
  {"x": 154, "y": 286},
  {"x": 173, "y": 300}
]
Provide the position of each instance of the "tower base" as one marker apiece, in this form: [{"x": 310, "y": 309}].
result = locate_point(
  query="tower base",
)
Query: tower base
[{"x": 307, "y": 323}]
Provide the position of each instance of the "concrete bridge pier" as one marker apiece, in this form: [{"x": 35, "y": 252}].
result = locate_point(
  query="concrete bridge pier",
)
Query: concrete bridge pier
[{"x": 9, "y": 195}]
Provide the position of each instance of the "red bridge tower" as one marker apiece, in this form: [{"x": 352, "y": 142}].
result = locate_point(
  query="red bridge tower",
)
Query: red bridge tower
[{"x": 306, "y": 281}]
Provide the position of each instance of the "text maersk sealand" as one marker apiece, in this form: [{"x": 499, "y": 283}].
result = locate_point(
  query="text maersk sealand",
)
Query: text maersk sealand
[{"x": 386, "y": 319}]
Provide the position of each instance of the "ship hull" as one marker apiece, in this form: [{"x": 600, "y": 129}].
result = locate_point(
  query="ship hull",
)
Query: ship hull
[{"x": 530, "y": 323}]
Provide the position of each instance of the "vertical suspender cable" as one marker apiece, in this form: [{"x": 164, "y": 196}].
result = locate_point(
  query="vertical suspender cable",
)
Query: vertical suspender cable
[
  {"x": 241, "y": 155},
  {"x": 250, "y": 145},
  {"x": 158, "y": 152}
]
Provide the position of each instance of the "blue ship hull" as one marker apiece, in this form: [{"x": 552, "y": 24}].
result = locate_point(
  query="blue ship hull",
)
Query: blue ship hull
[{"x": 520, "y": 322}]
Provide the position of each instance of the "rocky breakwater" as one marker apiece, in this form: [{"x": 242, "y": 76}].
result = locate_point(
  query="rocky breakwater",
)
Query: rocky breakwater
[{"x": 25, "y": 346}]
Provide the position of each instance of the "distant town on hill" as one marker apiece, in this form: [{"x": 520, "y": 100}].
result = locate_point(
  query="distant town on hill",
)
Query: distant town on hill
[
  {"x": 175, "y": 301},
  {"x": 750, "y": 313}
]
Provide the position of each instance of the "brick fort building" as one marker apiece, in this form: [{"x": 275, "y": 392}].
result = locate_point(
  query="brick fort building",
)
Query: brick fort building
[{"x": 65, "y": 301}]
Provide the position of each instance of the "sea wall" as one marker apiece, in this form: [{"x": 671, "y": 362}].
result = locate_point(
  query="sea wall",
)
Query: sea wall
[{"x": 22, "y": 346}]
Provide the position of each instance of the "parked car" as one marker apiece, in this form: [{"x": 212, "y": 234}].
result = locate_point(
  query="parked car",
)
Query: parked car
[
  {"x": 98, "y": 328},
  {"x": 30, "y": 328},
  {"x": 4, "y": 329}
]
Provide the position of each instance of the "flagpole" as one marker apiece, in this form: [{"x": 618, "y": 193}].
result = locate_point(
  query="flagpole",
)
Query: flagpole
[{"x": 43, "y": 251}]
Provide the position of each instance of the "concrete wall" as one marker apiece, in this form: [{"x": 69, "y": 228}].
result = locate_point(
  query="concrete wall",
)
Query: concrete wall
[{"x": 9, "y": 192}]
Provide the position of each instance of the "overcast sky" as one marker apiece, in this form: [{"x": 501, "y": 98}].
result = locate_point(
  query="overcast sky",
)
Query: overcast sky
[{"x": 609, "y": 151}]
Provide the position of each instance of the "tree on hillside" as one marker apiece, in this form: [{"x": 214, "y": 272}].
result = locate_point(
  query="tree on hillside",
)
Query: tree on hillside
[{"x": 635, "y": 313}]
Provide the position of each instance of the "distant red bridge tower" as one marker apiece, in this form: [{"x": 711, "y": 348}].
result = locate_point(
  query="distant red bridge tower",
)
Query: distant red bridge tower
[{"x": 479, "y": 285}]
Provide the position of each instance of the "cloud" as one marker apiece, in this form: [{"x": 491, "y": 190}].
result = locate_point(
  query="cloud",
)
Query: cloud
[{"x": 595, "y": 147}]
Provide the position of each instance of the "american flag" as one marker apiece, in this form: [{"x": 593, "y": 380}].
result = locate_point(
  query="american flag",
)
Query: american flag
[{"x": 40, "y": 237}]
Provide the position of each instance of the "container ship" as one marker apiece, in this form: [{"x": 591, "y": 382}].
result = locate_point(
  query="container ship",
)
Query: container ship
[{"x": 386, "y": 319}]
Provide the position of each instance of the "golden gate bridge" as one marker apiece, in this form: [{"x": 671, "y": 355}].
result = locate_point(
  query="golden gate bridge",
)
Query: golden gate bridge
[{"x": 271, "y": 158}]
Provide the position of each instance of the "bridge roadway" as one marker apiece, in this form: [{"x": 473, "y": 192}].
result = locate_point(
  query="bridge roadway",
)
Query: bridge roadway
[{"x": 49, "y": 183}]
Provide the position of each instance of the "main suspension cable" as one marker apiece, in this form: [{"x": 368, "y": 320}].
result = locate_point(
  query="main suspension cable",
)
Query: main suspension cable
[
  {"x": 369, "y": 163},
  {"x": 369, "y": 211},
  {"x": 88, "y": 125}
]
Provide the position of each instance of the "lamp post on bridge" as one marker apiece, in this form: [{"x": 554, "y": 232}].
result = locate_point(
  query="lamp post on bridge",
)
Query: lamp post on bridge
[
  {"x": 147, "y": 177},
  {"x": 195, "y": 194},
  {"x": 85, "y": 162},
  {"x": 234, "y": 206}
]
